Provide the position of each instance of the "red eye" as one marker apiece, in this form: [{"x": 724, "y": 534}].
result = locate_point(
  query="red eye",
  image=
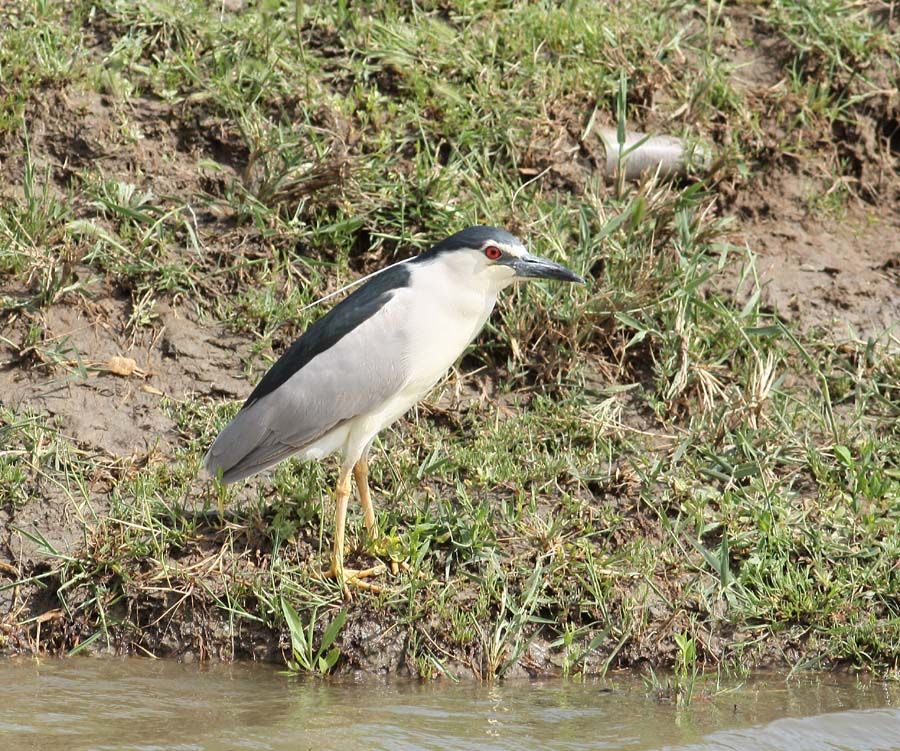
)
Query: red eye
[{"x": 493, "y": 252}]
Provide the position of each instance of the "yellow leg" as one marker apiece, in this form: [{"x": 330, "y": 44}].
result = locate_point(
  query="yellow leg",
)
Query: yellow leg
[
  {"x": 361, "y": 475},
  {"x": 337, "y": 571},
  {"x": 341, "y": 497}
]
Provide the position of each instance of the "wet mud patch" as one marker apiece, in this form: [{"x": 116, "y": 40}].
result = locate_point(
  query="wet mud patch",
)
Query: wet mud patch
[
  {"x": 839, "y": 274},
  {"x": 116, "y": 412}
]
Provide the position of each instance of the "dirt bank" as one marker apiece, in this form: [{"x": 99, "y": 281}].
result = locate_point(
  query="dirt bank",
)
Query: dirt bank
[{"x": 142, "y": 237}]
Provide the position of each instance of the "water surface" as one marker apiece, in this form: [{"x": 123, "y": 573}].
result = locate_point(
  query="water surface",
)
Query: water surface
[{"x": 145, "y": 705}]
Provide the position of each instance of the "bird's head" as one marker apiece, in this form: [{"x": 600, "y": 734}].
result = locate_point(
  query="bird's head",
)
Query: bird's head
[{"x": 495, "y": 256}]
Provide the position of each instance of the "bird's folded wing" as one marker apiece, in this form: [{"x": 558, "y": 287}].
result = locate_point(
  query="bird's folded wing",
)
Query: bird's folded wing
[{"x": 354, "y": 376}]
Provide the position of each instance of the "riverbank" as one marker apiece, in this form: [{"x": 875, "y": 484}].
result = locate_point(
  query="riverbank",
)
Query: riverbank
[{"x": 693, "y": 461}]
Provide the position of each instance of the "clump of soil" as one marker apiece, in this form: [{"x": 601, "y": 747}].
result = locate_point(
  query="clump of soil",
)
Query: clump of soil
[{"x": 841, "y": 275}]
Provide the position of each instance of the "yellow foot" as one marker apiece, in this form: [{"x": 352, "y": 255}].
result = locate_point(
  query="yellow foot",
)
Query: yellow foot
[
  {"x": 398, "y": 566},
  {"x": 350, "y": 577}
]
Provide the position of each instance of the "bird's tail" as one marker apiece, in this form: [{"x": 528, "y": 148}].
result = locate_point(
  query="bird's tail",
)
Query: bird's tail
[{"x": 243, "y": 448}]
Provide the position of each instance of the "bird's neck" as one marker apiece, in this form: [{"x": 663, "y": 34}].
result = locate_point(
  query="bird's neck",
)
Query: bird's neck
[
  {"x": 443, "y": 318},
  {"x": 454, "y": 286}
]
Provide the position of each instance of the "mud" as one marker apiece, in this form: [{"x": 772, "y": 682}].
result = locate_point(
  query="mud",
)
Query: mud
[{"x": 838, "y": 275}]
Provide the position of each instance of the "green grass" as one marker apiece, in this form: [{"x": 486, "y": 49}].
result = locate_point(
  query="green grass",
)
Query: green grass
[{"x": 659, "y": 473}]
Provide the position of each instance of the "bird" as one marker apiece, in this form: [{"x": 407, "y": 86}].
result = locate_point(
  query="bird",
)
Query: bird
[{"x": 367, "y": 361}]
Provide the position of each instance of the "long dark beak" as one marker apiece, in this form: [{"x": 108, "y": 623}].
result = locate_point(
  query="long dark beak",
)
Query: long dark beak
[{"x": 535, "y": 267}]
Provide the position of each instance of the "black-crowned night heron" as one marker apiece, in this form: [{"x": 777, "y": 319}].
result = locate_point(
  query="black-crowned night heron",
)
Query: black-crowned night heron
[{"x": 368, "y": 360}]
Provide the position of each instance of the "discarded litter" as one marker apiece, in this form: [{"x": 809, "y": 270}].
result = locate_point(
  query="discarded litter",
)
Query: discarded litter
[{"x": 642, "y": 154}]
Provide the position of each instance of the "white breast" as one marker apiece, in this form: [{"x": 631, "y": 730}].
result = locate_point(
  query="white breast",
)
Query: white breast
[
  {"x": 445, "y": 307},
  {"x": 444, "y": 317}
]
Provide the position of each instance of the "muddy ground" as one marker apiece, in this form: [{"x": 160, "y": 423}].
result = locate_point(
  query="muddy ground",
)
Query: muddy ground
[{"x": 838, "y": 270}]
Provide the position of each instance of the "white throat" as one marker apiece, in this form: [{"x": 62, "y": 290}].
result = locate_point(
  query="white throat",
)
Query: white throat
[{"x": 449, "y": 303}]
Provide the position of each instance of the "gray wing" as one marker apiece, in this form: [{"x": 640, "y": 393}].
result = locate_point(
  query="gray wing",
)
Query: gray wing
[{"x": 353, "y": 377}]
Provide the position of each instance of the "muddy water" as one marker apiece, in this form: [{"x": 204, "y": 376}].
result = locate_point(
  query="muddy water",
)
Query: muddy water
[{"x": 164, "y": 706}]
